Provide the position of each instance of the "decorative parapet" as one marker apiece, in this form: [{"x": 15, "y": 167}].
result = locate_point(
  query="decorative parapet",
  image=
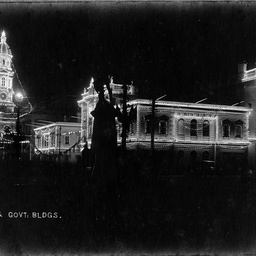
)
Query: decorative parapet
[{"x": 117, "y": 89}]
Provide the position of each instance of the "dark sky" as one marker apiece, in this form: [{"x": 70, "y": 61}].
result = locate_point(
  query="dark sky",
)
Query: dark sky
[{"x": 178, "y": 48}]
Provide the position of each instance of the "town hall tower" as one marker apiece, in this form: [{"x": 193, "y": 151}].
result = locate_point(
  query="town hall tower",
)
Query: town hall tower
[{"x": 6, "y": 77}]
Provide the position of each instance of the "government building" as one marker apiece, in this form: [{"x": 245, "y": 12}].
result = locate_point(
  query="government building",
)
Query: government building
[{"x": 186, "y": 135}]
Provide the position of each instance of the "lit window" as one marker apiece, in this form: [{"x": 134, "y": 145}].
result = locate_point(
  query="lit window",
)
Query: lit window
[
  {"x": 148, "y": 126},
  {"x": 90, "y": 128},
  {"x": 89, "y": 131},
  {"x": 38, "y": 140},
  {"x": 181, "y": 128},
  {"x": 66, "y": 139},
  {"x": 46, "y": 140},
  {"x": 226, "y": 128},
  {"x": 238, "y": 129},
  {"x": 132, "y": 128},
  {"x": 162, "y": 127},
  {"x": 193, "y": 128},
  {"x": 206, "y": 128},
  {"x": 52, "y": 139},
  {"x": 3, "y": 81}
]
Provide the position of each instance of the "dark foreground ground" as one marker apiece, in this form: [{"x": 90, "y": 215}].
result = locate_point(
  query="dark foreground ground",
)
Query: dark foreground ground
[{"x": 181, "y": 215}]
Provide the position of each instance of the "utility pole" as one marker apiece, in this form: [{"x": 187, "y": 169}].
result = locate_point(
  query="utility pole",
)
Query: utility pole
[
  {"x": 153, "y": 124},
  {"x": 124, "y": 122},
  {"x": 59, "y": 142},
  {"x": 153, "y": 133},
  {"x": 153, "y": 129},
  {"x": 18, "y": 133}
]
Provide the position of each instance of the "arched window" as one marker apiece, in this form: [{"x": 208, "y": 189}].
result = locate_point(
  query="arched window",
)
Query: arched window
[
  {"x": 193, "y": 128},
  {"x": 226, "y": 128},
  {"x": 181, "y": 130},
  {"x": 238, "y": 129},
  {"x": 206, "y": 155},
  {"x": 3, "y": 81},
  {"x": 206, "y": 128},
  {"x": 163, "y": 127}
]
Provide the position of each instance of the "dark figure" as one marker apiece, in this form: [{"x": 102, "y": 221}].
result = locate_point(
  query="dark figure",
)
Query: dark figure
[
  {"x": 104, "y": 142},
  {"x": 105, "y": 172}
]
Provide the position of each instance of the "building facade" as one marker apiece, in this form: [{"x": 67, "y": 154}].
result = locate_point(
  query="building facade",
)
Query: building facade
[
  {"x": 89, "y": 101},
  {"x": 245, "y": 90},
  {"x": 189, "y": 134},
  {"x": 186, "y": 135},
  {"x": 58, "y": 141}
]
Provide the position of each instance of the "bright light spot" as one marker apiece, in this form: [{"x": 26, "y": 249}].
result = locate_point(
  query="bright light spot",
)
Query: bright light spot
[{"x": 19, "y": 96}]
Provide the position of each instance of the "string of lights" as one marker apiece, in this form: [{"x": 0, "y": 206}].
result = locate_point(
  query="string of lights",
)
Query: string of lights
[
  {"x": 38, "y": 151},
  {"x": 47, "y": 130},
  {"x": 204, "y": 126}
]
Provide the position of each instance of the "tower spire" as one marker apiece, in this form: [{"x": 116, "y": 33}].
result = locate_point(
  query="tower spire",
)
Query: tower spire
[{"x": 3, "y": 37}]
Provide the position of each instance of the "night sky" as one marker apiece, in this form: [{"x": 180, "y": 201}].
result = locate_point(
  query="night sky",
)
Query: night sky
[{"x": 182, "y": 49}]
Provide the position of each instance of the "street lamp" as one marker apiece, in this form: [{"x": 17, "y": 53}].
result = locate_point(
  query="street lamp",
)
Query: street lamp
[{"x": 18, "y": 97}]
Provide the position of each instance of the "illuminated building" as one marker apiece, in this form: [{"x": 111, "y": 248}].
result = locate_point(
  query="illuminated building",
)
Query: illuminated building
[
  {"x": 10, "y": 107},
  {"x": 184, "y": 133},
  {"x": 89, "y": 101},
  {"x": 190, "y": 132},
  {"x": 58, "y": 141},
  {"x": 245, "y": 90},
  {"x": 7, "y": 117}
]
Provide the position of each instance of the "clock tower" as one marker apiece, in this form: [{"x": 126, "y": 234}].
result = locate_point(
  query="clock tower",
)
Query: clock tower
[{"x": 6, "y": 77}]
